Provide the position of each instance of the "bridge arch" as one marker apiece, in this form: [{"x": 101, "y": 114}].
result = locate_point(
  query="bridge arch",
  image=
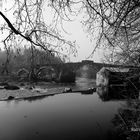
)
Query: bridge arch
[
  {"x": 46, "y": 73},
  {"x": 23, "y": 73},
  {"x": 67, "y": 72}
]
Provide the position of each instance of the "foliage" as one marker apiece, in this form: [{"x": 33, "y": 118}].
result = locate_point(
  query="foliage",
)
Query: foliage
[{"x": 127, "y": 121}]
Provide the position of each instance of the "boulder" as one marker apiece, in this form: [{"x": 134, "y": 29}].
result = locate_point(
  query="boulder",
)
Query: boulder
[
  {"x": 11, "y": 87},
  {"x": 102, "y": 77},
  {"x": 3, "y": 84},
  {"x": 111, "y": 76},
  {"x": 66, "y": 90},
  {"x": 10, "y": 98},
  {"x": 117, "y": 83},
  {"x": 88, "y": 91}
]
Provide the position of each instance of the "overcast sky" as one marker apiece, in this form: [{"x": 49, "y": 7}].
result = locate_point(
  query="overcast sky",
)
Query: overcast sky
[
  {"x": 76, "y": 32},
  {"x": 83, "y": 40}
]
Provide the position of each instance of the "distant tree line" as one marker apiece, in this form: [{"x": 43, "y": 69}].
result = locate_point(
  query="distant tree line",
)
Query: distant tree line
[{"x": 21, "y": 58}]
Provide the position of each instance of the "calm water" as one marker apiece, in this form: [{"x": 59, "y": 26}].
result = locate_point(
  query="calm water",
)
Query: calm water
[{"x": 69, "y": 116}]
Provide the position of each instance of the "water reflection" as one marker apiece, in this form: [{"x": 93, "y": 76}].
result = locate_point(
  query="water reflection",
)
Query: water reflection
[
  {"x": 66, "y": 116},
  {"x": 84, "y": 83},
  {"x": 117, "y": 93},
  {"x": 63, "y": 116}
]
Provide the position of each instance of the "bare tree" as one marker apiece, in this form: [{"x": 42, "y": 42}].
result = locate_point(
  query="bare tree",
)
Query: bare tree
[
  {"x": 117, "y": 21},
  {"x": 29, "y": 26}
]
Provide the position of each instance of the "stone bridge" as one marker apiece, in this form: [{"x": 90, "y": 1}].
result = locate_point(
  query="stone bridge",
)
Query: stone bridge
[{"x": 68, "y": 71}]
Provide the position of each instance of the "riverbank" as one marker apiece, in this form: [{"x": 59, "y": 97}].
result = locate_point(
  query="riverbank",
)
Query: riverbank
[
  {"x": 23, "y": 93},
  {"x": 41, "y": 89},
  {"x": 26, "y": 90}
]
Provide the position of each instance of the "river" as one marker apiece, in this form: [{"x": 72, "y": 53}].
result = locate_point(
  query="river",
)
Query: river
[{"x": 70, "y": 116}]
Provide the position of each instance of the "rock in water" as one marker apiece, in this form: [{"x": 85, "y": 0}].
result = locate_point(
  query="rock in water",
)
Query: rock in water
[
  {"x": 10, "y": 97},
  {"x": 93, "y": 89},
  {"x": 11, "y": 87},
  {"x": 89, "y": 91},
  {"x": 67, "y": 90}
]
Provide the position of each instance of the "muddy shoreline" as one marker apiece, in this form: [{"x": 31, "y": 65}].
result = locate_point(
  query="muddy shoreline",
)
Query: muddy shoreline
[
  {"x": 26, "y": 92},
  {"x": 40, "y": 89}
]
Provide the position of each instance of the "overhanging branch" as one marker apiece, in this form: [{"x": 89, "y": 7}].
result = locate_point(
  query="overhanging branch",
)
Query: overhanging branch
[{"x": 18, "y": 33}]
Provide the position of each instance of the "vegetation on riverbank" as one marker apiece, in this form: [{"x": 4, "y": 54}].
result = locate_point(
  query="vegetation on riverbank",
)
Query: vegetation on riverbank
[{"x": 127, "y": 121}]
